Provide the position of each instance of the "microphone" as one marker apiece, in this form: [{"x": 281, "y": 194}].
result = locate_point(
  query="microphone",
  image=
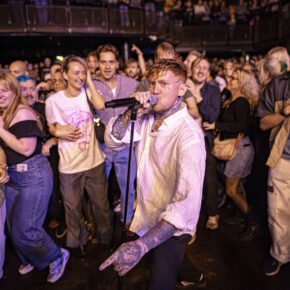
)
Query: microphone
[{"x": 126, "y": 102}]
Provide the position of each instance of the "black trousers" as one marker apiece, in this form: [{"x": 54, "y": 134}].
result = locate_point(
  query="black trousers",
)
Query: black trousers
[
  {"x": 166, "y": 261},
  {"x": 211, "y": 182}
]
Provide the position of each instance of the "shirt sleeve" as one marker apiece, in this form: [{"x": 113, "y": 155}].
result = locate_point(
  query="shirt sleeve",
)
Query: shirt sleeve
[
  {"x": 183, "y": 211},
  {"x": 266, "y": 104},
  {"x": 116, "y": 144},
  {"x": 209, "y": 107}
]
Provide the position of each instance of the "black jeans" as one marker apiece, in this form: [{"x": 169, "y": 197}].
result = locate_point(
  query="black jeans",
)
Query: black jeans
[{"x": 166, "y": 261}]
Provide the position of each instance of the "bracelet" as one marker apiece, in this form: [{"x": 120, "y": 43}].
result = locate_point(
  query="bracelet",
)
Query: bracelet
[{"x": 3, "y": 166}]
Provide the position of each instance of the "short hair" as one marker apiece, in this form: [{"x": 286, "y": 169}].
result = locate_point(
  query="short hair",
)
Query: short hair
[
  {"x": 165, "y": 46},
  {"x": 198, "y": 60},
  {"x": 195, "y": 53},
  {"x": 92, "y": 53},
  {"x": 280, "y": 53},
  {"x": 177, "y": 67},
  {"x": 107, "y": 48},
  {"x": 130, "y": 61},
  {"x": 72, "y": 58}
]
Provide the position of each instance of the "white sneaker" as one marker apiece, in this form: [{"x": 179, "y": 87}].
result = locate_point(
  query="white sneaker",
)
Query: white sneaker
[
  {"x": 23, "y": 270},
  {"x": 212, "y": 222},
  {"x": 56, "y": 269}
]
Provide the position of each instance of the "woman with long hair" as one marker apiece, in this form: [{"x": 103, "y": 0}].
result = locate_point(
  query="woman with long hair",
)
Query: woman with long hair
[
  {"x": 234, "y": 119},
  {"x": 29, "y": 188}
]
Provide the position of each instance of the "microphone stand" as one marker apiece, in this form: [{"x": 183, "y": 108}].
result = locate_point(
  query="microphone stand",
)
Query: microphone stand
[{"x": 134, "y": 110}]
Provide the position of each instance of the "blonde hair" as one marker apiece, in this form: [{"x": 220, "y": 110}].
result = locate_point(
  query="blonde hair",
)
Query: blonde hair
[
  {"x": 72, "y": 58},
  {"x": 267, "y": 68},
  {"x": 249, "y": 86},
  {"x": 9, "y": 82},
  {"x": 280, "y": 53}
]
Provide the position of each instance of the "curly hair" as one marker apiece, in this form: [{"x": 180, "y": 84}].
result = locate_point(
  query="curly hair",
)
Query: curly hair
[{"x": 249, "y": 86}]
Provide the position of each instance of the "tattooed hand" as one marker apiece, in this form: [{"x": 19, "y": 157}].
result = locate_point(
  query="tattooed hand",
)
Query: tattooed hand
[
  {"x": 126, "y": 257},
  {"x": 121, "y": 124}
]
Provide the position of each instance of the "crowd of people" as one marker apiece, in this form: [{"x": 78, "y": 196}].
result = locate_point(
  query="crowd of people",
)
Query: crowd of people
[
  {"x": 52, "y": 166},
  {"x": 186, "y": 12}
]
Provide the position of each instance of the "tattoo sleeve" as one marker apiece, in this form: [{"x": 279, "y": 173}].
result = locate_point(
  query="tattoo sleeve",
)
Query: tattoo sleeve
[
  {"x": 121, "y": 125},
  {"x": 158, "y": 235}
]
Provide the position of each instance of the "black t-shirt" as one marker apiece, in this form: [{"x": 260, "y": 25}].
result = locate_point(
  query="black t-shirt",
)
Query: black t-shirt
[
  {"x": 234, "y": 119},
  {"x": 23, "y": 129}
]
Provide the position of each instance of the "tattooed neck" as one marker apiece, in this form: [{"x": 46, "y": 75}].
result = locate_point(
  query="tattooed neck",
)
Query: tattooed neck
[{"x": 160, "y": 117}]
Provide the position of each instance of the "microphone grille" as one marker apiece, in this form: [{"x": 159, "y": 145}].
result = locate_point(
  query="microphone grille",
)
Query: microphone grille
[{"x": 153, "y": 99}]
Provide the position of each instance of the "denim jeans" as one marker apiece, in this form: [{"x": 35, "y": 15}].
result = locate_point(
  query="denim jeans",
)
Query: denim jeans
[
  {"x": 27, "y": 196},
  {"x": 2, "y": 234},
  {"x": 120, "y": 160}
]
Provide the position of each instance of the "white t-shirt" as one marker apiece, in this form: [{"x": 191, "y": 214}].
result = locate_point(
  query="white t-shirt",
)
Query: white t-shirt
[{"x": 83, "y": 154}]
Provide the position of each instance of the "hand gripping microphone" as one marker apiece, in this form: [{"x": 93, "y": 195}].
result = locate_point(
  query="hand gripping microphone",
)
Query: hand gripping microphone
[{"x": 126, "y": 102}]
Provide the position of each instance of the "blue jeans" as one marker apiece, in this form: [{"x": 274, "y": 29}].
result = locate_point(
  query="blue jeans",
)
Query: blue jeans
[
  {"x": 120, "y": 160},
  {"x": 27, "y": 197},
  {"x": 2, "y": 234}
]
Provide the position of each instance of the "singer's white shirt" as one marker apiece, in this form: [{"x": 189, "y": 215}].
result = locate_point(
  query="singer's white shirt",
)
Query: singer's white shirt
[{"x": 171, "y": 164}]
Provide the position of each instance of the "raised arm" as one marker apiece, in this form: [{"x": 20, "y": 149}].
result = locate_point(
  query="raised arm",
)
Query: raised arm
[
  {"x": 141, "y": 59},
  {"x": 94, "y": 96}
]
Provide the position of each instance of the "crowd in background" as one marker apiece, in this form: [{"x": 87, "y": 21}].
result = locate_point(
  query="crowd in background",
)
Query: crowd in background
[
  {"x": 222, "y": 96},
  {"x": 186, "y": 12}
]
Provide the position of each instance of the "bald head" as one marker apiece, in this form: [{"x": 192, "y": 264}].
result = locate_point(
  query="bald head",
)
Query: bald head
[{"x": 17, "y": 68}]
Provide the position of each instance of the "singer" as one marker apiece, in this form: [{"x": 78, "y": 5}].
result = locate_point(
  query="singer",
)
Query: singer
[{"x": 170, "y": 154}]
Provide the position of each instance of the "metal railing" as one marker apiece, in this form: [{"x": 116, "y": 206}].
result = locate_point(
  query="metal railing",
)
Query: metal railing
[{"x": 74, "y": 20}]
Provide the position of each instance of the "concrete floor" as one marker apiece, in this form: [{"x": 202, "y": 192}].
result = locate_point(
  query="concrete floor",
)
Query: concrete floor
[{"x": 227, "y": 262}]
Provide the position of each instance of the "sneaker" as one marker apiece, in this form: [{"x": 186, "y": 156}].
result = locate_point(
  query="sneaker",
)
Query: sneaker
[
  {"x": 117, "y": 208},
  {"x": 271, "y": 266},
  {"x": 56, "y": 268},
  {"x": 212, "y": 222},
  {"x": 200, "y": 283},
  {"x": 249, "y": 233},
  {"x": 25, "y": 269}
]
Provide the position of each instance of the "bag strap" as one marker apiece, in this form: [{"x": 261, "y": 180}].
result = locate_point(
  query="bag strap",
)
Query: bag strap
[{"x": 92, "y": 108}]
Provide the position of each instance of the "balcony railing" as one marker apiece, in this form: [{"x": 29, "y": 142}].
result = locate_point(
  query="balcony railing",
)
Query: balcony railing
[{"x": 76, "y": 20}]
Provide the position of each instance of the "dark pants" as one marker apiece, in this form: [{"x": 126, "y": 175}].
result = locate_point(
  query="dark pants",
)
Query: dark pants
[
  {"x": 72, "y": 189},
  {"x": 166, "y": 260},
  {"x": 210, "y": 182}
]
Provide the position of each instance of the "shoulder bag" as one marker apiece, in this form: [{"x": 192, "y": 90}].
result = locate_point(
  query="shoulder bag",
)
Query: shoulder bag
[{"x": 226, "y": 149}]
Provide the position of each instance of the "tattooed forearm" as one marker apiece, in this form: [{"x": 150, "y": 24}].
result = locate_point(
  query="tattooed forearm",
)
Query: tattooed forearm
[
  {"x": 121, "y": 125},
  {"x": 158, "y": 235},
  {"x": 129, "y": 254}
]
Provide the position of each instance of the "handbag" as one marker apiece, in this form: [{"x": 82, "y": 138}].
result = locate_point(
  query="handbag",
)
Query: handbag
[
  {"x": 226, "y": 149},
  {"x": 99, "y": 127}
]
